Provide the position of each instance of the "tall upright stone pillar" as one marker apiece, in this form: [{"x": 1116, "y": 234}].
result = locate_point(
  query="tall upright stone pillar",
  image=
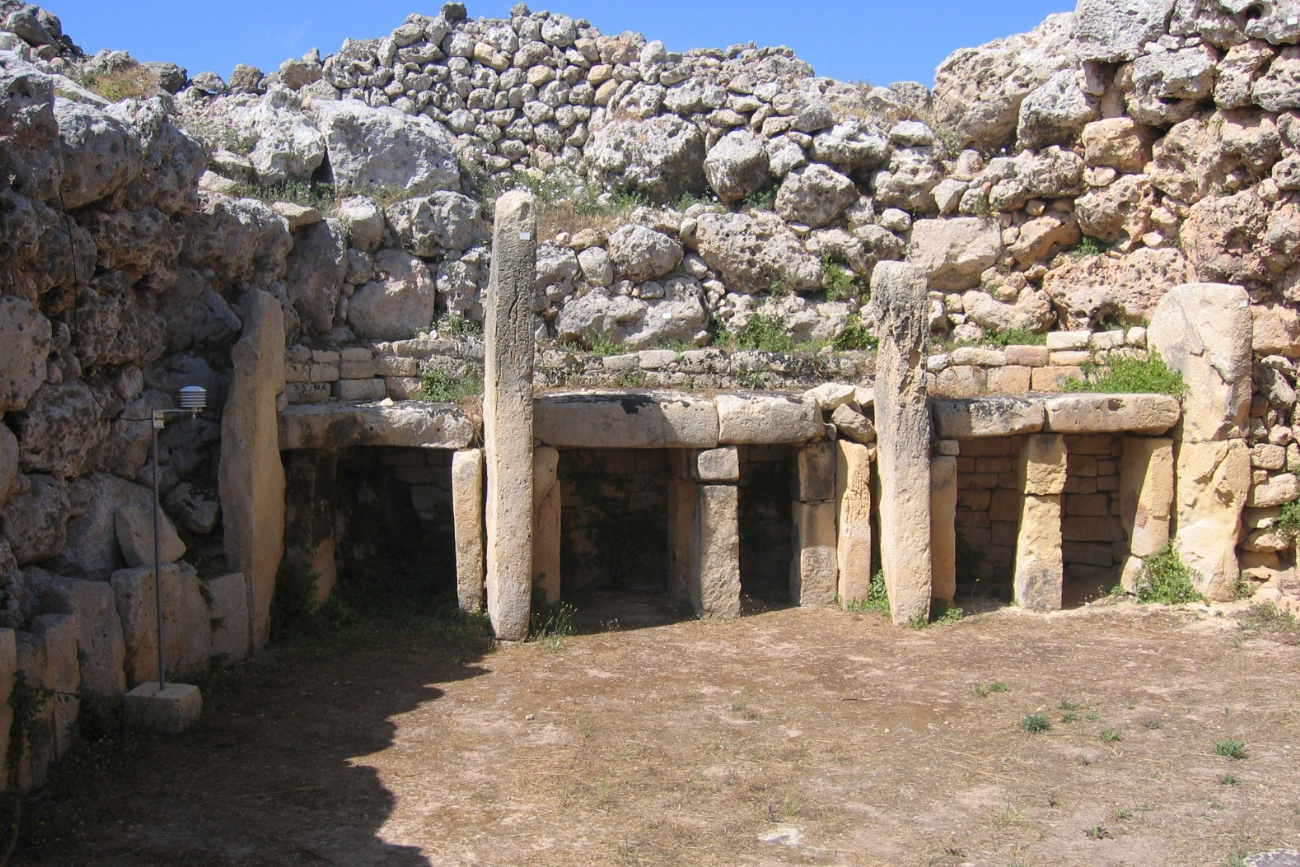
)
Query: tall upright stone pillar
[
  {"x": 251, "y": 476},
  {"x": 1146, "y": 500},
  {"x": 943, "y": 527},
  {"x": 546, "y": 522},
  {"x": 467, "y": 518},
  {"x": 899, "y": 298},
  {"x": 714, "y": 576},
  {"x": 309, "y": 518},
  {"x": 681, "y": 524},
  {"x": 509, "y": 323},
  {"x": 1205, "y": 332},
  {"x": 853, "y": 518},
  {"x": 814, "y": 568},
  {"x": 1040, "y": 569}
]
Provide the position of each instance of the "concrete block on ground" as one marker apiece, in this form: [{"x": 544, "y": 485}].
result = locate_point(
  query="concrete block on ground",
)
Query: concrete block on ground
[
  {"x": 170, "y": 710},
  {"x": 715, "y": 553}
]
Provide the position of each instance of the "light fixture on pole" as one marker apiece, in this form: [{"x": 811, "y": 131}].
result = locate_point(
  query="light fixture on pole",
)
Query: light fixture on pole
[{"x": 193, "y": 399}]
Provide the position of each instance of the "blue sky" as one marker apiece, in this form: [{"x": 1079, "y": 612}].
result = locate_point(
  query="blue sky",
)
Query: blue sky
[{"x": 880, "y": 41}]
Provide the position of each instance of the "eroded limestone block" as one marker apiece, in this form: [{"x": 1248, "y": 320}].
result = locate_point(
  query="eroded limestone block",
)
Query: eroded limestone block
[
  {"x": 853, "y": 518},
  {"x": 1203, "y": 331},
  {"x": 310, "y": 517},
  {"x": 1111, "y": 413},
  {"x": 814, "y": 568},
  {"x": 943, "y": 531},
  {"x": 716, "y": 465},
  {"x": 715, "y": 553},
  {"x": 1146, "y": 486},
  {"x": 1213, "y": 482},
  {"x": 98, "y": 630},
  {"x": 229, "y": 616},
  {"x": 988, "y": 417},
  {"x": 814, "y": 472},
  {"x": 681, "y": 525},
  {"x": 1042, "y": 465},
  {"x": 135, "y": 531},
  {"x": 626, "y": 420},
  {"x": 758, "y": 419},
  {"x": 1040, "y": 570},
  {"x": 48, "y": 656},
  {"x": 546, "y": 522},
  {"x": 187, "y": 622},
  {"x": 467, "y": 514},
  {"x": 410, "y": 424}
]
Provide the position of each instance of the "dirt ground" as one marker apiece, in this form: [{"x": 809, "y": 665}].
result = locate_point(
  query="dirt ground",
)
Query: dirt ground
[{"x": 786, "y": 737}]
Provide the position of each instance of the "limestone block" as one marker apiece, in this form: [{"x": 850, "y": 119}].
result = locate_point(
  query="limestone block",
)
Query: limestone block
[
  {"x": 832, "y": 395},
  {"x": 251, "y": 476},
  {"x": 900, "y": 302},
  {"x": 467, "y": 515},
  {"x": 758, "y": 419},
  {"x": 1042, "y": 465},
  {"x": 853, "y": 519},
  {"x": 99, "y": 631},
  {"x": 1212, "y": 484},
  {"x": 404, "y": 425},
  {"x": 988, "y": 417},
  {"x": 1204, "y": 331},
  {"x": 361, "y": 389},
  {"x": 546, "y": 522},
  {"x": 310, "y": 518},
  {"x": 229, "y": 616},
  {"x": 1277, "y": 491},
  {"x": 716, "y": 465},
  {"x": 509, "y": 328},
  {"x": 681, "y": 524},
  {"x": 135, "y": 536},
  {"x": 943, "y": 520},
  {"x": 1040, "y": 570},
  {"x": 1151, "y": 414},
  {"x": 48, "y": 656},
  {"x": 8, "y": 667},
  {"x": 854, "y": 425},
  {"x": 715, "y": 553},
  {"x": 626, "y": 420},
  {"x": 8, "y": 464},
  {"x": 814, "y": 568},
  {"x": 814, "y": 472},
  {"x": 187, "y": 622},
  {"x": 1146, "y": 485}
]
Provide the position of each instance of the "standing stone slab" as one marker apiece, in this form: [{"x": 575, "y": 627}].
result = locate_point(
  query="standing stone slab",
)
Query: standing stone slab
[
  {"x": 1042, "y": 465},
  {"x": 814, "y": 476},
  {"x": 546, "y": 522},
  {"x": 251, "y": 479},
  {"x": 509, "y": 325},
  {"x": 99, "y": 631},
  {"x": 715, "y": 553},
  {"x": 1213, "y": 481},
  {"x": 900, "y": 302},
  {"x": 229, "y": 609},
  {"x": 853, "y": 516},
  {"x": 814, "y": 569},
  {"x": 681, "y": 520},
  {"x": 1040, "y": 568},
  {"x": 48, "y": 656},
  {"x": 1146, "y": 499},
  {"x": 467, "y": 516},
  {"x": 943, "y": 529},
  {"x": 309, "y": 519}
]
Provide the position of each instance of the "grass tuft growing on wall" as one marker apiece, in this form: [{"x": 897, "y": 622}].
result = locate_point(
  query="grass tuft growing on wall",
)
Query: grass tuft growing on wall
[{"x": 1128, "y": 375}]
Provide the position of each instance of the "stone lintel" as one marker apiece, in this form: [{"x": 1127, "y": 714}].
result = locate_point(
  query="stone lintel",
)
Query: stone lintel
[
  {"x": 409, "y": 424},
  {"x": 626, "y": 420}
]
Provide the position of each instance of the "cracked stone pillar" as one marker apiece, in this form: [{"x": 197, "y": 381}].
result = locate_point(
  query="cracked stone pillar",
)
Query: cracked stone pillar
[
  {"x": 251, "y": 476},
  {"x": 509, "y": 323},
  {"x": 1204, "y": 331},
  {"x": 309, "y": 518},
  {"x": 900, "y": 301},
  {"x": 1146, "y": 497},
  {"x": 681, "y": 524},
  {"x": 714, "y": 579},
  {"x": 814, "y": 568},
  {"x": 943, "y": 529},
  {"x": 1040, "y": 569},
  {"x": 546, "y": 522},
  {"x": 467, "y": 519},
  {"x": 853, "y": 518}
]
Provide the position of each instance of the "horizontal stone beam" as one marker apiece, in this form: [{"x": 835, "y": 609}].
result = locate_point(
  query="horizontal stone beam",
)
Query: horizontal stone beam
[
  {"x": 625, "y": 420},
  {"x": 1111, "y": 413},
  {"x": 768, "y": 419},
  {"x": 988, "y": 417},
  {"x": 409, "y": 424}
]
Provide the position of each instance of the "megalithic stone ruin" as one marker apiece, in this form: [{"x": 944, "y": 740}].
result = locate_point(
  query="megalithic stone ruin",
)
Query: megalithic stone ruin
[
  {"x": 509, "y": 323},
  {"x": 899, "y": 299}
]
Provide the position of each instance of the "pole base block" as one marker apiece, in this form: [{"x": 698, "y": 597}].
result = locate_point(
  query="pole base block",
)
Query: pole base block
[{"x": 171, "y": 710}]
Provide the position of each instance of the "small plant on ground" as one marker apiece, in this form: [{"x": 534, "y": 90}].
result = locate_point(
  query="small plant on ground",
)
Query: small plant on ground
[
  {"x": 138, "y": 82},
  {"x": 1119, "y": 814},
  {"x": 1267, "y": 618},
  {"x": 943, "y": 611},
  {"x": 1110, "y": 736},
  {"x": 877, "y": 598},
  {"x": 1151, "y": 724},
  {"x": 1228, "y": 780},
  {"x": 1123, "y": 374},
  {"x": 1230, "y": 748},
  {"x": 1097, "y": 832},
  {"x": 1165, "y": 579},
  {"x": 550, "y": 623},
  {"x": 1069, "y": 718},
  {"x": 1035, "y": 723},
  {"x": 982, "y": 690}
]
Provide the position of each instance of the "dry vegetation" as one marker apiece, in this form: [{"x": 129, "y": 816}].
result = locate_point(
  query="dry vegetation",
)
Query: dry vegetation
[{"x": 134, "y": 83}]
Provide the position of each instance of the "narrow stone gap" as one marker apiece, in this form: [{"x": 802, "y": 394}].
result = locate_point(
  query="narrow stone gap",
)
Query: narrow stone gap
[{"x": 766, "y": 521}]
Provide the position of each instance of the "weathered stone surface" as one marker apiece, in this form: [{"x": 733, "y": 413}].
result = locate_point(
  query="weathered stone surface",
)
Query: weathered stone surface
[
  {"x": 1167, "y": 86},
  {"x": 853, "y": 424},
  {"x": 508, "y": 415},
  {"x": 715, "y": 465},
  {"x": 48, "y": 655},
  {"x": 752, "y": 252},
  {"x": 900, "y": 303},
  {"x": 943, "y": 536},
  {"x": 737, "y": 166},
  {"x": 1056, "y": 111},
  {"x": 251, "y": 476},
  {"x": 8, "y": 464},
  {"x": 24, "y": 346},
  {"x": 467, "y": 515},
  {"x": 399, "y": 303},
  {"x": 1128, "y": 288},
  {"x": 988, "y": 417},
  {"x": 1224, "y": 238},
  {"x": 198, "y": 509},
  {"x": 60, "y": 430},
  {"x": 814, "y": 568},
  {"x": 1111, "y": 413},
  {"x": 715, "y": 553},
  {"x": 853, "y": 519},
  {"x": 100, "y": 154},
  {"x": 1213, "y": 482},
  {"x": 662, "y": 157},
  {"x": 364, "y": 221},
  {"x": 1113, "y": 31},
  {"x": 955, "y": 251},
  {"x": 1203, "y": 331},
  {"x": 1120, "y": 143},
  {"x": 626, "y": 420},
  {"x": 1040, "y": 571},
  {"x": 310, "y": 516},
  {"x": 8, "y": 667},
  {"x": 98, "y": 631},
  {"x": 546, "y": 522},
  {"x": 814, "y": 472},
  {"x": 187, "y": 630},
  {"x": 236, "y": 238},
  {"x": 410, "y": 424},
  {"x": 1041, "y": 465},
  {"x": 229, "y": 610},
  {"x": 430, "y": 225},
  {"x": 1277, "y": 491},
  {"x": 1146, "y": 499},
  {"x": 382, "y": 147},
  {"x": 814, "y": 195},
  {"x": 35, "y": 519},
  {"x": 642, "y": 254},
  {"x": 317, "y": 267},
  {"x": 31, "y": 156},
  {"x": 135, "y": 536},
  {"x": 767, "y": 418},
  {"x": 288, "y": 147}
]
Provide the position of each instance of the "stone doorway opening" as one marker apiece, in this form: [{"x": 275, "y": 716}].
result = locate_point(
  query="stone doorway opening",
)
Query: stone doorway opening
[
  {"x": 1094, "y": 544},
  {"x": 766, "y": 518},
  {"x": 987, "y": 518}
]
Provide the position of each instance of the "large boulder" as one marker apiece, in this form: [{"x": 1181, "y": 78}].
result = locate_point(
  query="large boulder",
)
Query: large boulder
[
  {"x": 640, "y": 254},
  {"x": 737, "y": 166},
  {"x": 35, "y": 520},
  {"x": 851, "y": 147},
  {"x": 1056, "y": 111},
  {"x": 955, "y": 252},
  {"x": 30, "y": 157},
  {"x": 1119, "y": 212},
  {"x": 1168, "y": 86},
  {"x": 1114, "y": 31},
  {"x": 382, "y": 148},
  {"x": 171, "y": 159},
  {"x": 101, "y": 649},
  {"x": 1032, "y": 311},
  {"x": 289, "y": 147},
  {"x": 431, "y": 225},
  {"x": 136, "y": 242},
  {"x": 1224, "y": 238},
  {"x": 195, "y": 315},
  {"x": 24, "y": 346},
  {"x": 1051, "y": 174},
  {"x": 317, "y": 266},
  {"x": 633, "y": 322},
  {"x": 978, "y": 91},
  {"x": 92, "y": 550},
  {"x": 1276, "y": 90},
  {"x": 1090, "y": 289},
  {"x": 398, "y": 303},
  {"x": 100, "y": 154},
  {"x": 1117, "y": 142},
  {"x": 60, "y": 430},
  {"x": 815, "y": 195},
  {"x": 236, "y": 238},
  {"x": 753, "y": 253},
  {"x": 1225, "y": 24},
  {"x": 662, "y": 157}
]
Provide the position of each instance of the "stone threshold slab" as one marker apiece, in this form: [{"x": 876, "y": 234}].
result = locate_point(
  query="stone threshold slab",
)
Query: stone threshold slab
[
  {"x": 404, "y": 424},
  {"x": 1084, "y": 413}
]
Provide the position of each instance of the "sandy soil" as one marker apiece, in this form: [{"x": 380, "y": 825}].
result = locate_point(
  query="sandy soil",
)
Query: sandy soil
[{"x": 786, "y": 737}]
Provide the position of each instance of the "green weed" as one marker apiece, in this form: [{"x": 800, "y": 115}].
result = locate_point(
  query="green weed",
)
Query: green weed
[
  {"x": 1014, "y": 337},
  {"x": 1035, "y": 723},
  {"x": 839, "y": 282},
  {"x": 856, "y": 337},
  {"x": 551, "y": 624},
  {"x": 1228, "y": 780},
  {"x": 309, "y": 194},
  {"x": 877, "y": 598},
  {"x": 453, "y": 324},
  {"x": 1089, "y": 246},
  {"x": 1110, "y": 736},
  {"x": 762, "y": 200},
  {"x": 1069, "y": 718},
  {"x": 138, "y": 82},
  {"x": 1165, "y": 579},
  {"x": 1230, "y": 748},
  {"x": 764, "y": 333},
  {"x": 442, "y": 387},
  {"x": 1127, "y": 375},
  {"x": 942, "y": 611}
]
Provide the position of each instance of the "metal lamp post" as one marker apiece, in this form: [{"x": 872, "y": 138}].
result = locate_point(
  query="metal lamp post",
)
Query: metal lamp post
[{"x": 193, "y": 399}]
